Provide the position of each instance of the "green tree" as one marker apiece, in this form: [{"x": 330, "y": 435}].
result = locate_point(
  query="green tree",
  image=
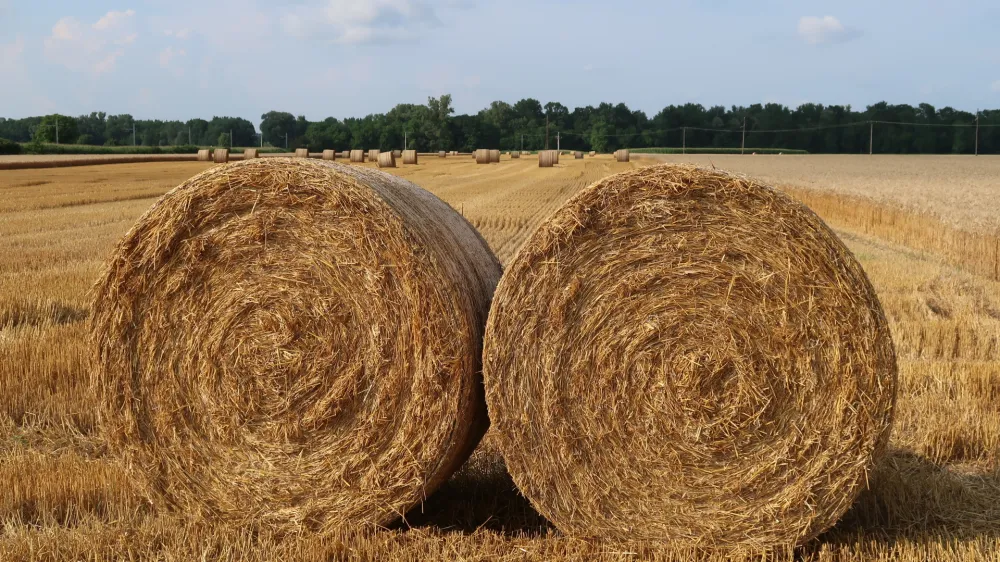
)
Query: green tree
[
  {"x": 57, "y": 129},
  {"x": 275, "y": 125},
  {"x": 224, "y": 140}
]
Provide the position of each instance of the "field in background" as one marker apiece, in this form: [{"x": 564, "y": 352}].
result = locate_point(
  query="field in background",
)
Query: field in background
[{"x": 936, "y": 496}]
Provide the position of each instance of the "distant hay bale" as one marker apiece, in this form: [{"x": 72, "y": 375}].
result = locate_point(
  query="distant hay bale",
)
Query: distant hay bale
[
  {"x": 204, "y": 155},
  {"x": 622, "y": 155},
  {"x": 409, "y": 157},
  {"x": 397, "y": 153},
  {"x": 302, "y": 153},
  {"x": 515, "y": 154},
  {"x": 345, "y": 154},
  {"x": 482, "y": 156},
  {"x": 494, "y": 156},
  {"x": 577, "y": 155},
  {"x": 221, "y": 155},
  {"x": 593, "y": 153},
  {"x": 373, "y": 155},
  {"x": 682, "y": 354},
  {"x": 387, "y": 159},
  {"x": 357, "y": 156},
  {"x": 293, "y": 343},
  {"x": 442, "y": 154},
  {"x": 548, "y": 158},
  {"x": 329, "y": 155},
  {"x": 250, "y": 153}
]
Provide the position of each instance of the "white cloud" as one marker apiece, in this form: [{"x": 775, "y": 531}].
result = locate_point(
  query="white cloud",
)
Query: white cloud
[
  {"x": 113, "y": 19},
  {"x": 169, "y": 54},
  {"x": 96, "y": 48},
  {"x": 822, "y": 30},
  {"x": 361, "y": 21}
]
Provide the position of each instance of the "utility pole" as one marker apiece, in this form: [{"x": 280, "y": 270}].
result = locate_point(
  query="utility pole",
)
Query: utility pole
[
  {"x": 743, "y": 142},
  {"x": 57, "y": 129},
  {"x": 871, "y": 137},
  {"x": 977, "y": 132},
  {"x": 230, "y": 138},
  {"x": 262, "y": 139},
  {"x": 684, "y": 140},
  {"x": 404, "y": 140},
  {"x": 189, "y": 135},
  {"x": 546, "y": 131},
  {"x": 286, "y": 141},
  {"x": 558, "y": 145}
]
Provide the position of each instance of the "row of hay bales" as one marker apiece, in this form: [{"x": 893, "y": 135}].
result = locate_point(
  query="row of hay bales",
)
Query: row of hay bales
[
  {"x": 221, "y": 155},
  {"x": 676, "y": 354}
]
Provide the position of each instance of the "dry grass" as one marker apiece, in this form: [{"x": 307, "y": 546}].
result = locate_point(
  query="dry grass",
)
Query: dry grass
[{"x": 934, "y": 497}]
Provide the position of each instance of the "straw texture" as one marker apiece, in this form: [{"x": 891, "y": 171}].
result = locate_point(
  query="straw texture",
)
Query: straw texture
[
  {"x": 687, "y": 355},
  {"x": 293, "y": 343}
]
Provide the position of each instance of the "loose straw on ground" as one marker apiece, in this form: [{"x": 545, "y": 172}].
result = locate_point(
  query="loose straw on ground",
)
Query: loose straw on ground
[
  {"x": 293, "y": 343},
  {"x": 685, "y": 355}
]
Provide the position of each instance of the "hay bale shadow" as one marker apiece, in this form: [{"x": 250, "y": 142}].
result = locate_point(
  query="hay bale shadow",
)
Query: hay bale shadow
[{"x": 481, "y": 495}]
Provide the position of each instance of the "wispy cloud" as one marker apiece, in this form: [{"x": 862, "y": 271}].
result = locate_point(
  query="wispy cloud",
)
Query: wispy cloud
[
  {"x": 361, "y": 21},
  {"x": 823, "y": 30},
  {"x": 95, "y": 48}
]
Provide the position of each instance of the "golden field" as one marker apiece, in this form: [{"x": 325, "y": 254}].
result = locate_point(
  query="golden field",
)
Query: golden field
[{"x": 922, "y": 227}]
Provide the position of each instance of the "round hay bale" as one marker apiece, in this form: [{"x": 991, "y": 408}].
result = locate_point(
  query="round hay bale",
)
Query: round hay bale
[
  {"x": 357, "y": 156},
  {"x": 397, "y": 153},
  {"x": 622, "y": 155},
  {"x": 329, "y": 155},
  {"x": 345, "y": 154},
  {"x": 494, "y": 156},
  {"x": 442, "y": 154},
  {"x": 548, "y": 158},
  {"x": 387, "y": 160},
  {"x": 482, "y": 156},
  {"x": 593, "y": 153},
  {"x": 683, "y": 354},
  {"x": 409, "y": 157},
  {"x": 293, "y": 343},
  {"x": 250, "y": 153},
  {"x": 515, "y": 154},
  {"x": 302, "y": 153},
  {"x": 373, "y": 155},
  {"x": 577, "y": 155},
  {"x": 220, "y": 156},
  {"x": 204, "y": 155}
]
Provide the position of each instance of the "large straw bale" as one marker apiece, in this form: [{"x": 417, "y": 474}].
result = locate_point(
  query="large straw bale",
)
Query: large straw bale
[
  {"x": 357, "y": 156},
  {"x": 409, "y": 157},
  {"x": 387, "y": 159},
  {"x": 548, "y": 158},
  {"x": 494, "y": 156},
  {"x": 220, "y": 156},
  {"x": 622, "y": 155},
  {"x": 482, "y": 156},
  {"x": 681, "y": 354},
  {"x": 329, "y": 154},
  {"x": 204, "y": 155},
  {"x": 293, "y": 343}
]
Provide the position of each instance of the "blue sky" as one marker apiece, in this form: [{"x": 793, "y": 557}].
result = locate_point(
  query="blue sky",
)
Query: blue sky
[{"x": 174, "y": 59}]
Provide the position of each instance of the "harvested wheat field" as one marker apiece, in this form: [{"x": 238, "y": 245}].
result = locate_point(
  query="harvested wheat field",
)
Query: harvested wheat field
[{"x": 930, "y": 255}]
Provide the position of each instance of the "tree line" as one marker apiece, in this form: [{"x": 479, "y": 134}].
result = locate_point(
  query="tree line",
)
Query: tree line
[{"x": 530, "y": 125}]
